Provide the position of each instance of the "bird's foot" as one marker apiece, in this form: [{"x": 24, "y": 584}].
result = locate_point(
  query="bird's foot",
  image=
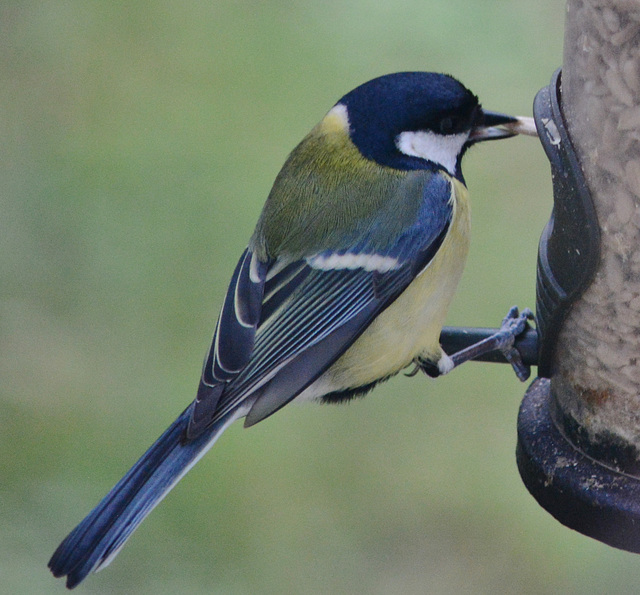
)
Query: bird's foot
[{"x": 513, "y": 325}]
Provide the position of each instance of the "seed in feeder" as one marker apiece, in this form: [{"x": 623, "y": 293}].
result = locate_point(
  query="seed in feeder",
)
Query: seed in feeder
[
  {"x": 617, "y": 87},
  {"x": 629, "y": 118}
]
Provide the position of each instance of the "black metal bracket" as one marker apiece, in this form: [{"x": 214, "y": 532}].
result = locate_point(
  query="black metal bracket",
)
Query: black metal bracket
[{"x": 569, "y": 249}]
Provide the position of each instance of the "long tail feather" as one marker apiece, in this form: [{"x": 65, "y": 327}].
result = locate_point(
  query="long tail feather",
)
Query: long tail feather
[{"x": 99, "y": 537}]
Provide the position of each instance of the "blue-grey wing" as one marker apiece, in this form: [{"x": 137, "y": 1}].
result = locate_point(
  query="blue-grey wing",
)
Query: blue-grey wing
[
  {"x": 233, "y": 339},
  {"x": 284, "y": 323}
]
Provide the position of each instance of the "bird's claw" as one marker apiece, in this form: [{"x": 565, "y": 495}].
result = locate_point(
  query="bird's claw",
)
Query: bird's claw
[
  {"x": 513, "y": 325},
  {"x": 423, "y": 365}
]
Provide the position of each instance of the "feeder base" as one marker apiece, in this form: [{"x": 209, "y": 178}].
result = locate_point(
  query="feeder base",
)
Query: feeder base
[{"x": 581, "y": 493}]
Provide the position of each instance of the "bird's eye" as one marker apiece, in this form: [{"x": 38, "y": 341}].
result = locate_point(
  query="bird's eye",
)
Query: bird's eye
[{"x": 448, "y": 125}]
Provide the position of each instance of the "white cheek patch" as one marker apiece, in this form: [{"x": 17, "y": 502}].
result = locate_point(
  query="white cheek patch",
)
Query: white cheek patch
[{"x": 440, "y": 149}]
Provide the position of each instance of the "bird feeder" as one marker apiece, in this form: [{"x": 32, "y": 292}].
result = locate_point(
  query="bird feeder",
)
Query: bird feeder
[{"x": 579, "y": 424}]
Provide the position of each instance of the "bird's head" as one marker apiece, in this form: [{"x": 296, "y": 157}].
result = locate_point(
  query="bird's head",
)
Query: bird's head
[{"x": 418, "y": 120}]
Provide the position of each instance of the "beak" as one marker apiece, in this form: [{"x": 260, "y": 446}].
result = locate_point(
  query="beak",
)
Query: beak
[{"x": 493, "y": 125}]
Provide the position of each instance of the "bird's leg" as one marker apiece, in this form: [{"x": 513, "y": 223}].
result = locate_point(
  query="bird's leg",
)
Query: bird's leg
[{"x": 514, "y": 324}]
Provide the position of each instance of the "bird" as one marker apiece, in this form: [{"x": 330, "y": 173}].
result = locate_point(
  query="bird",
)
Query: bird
[{"x": 345, "y": 282}]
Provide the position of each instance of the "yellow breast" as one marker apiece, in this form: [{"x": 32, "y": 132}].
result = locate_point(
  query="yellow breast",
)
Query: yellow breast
[{"x": 411, "y": 326}]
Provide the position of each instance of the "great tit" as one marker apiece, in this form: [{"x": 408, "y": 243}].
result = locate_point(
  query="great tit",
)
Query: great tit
[{"x": 345, "y": 282}]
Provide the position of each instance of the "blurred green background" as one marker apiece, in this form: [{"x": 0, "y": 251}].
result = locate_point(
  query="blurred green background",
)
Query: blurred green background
[{"x": 138, "y": 143}]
